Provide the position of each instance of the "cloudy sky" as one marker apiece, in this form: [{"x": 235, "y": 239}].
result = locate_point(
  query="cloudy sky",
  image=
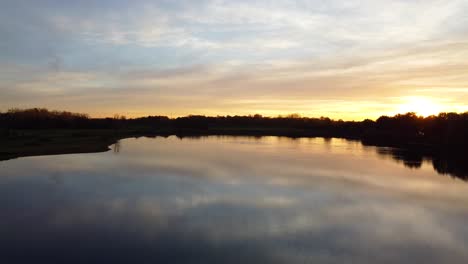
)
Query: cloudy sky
[{"x": 343, "y": 59}]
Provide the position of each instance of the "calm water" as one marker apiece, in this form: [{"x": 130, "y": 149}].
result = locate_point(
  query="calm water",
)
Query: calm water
[{"x": 231, "y": 200}]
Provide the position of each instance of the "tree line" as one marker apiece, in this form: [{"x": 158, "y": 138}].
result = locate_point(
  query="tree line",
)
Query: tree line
[{"x": 445, "y": 129}]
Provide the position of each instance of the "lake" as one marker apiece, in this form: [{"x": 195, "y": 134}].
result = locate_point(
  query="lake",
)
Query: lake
[{"x": 233, "y": 200}]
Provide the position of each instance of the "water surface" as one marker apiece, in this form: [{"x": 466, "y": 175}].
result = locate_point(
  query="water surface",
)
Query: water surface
[{"x": 231, "y": 200}]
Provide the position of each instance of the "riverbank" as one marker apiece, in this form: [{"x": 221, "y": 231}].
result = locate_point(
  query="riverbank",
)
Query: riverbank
[
  {"x": 37, "y": 131},
  {"x": 37, "y": 142},
  {"x": 24, "y": 143}
]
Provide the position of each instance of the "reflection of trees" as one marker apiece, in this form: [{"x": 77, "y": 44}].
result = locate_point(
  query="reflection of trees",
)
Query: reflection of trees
[
  {"x": 410, "y": 159},
  {"x": 117, "y": 147},
  {"x": 453, "y": 164}
]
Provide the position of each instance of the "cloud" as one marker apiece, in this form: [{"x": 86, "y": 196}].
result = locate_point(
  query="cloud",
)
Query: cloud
[
  {"x": 369, "y": 84},
  {"x": 310, "y": 57}
]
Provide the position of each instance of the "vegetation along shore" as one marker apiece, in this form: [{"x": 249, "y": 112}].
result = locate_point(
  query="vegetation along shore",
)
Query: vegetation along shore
[{"x": 30, "y": 132}]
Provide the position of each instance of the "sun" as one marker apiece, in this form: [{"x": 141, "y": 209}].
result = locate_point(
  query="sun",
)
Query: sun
[{"x": 422, "y": 106}]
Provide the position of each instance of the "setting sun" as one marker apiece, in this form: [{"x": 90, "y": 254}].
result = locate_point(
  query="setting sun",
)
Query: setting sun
[
  {"x": 422, "y": 106},
  {"x": 233, "y": 131}
]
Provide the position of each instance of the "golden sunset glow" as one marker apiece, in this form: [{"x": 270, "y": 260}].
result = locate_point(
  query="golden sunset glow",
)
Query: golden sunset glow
[
  {"x": 422, "y": 106},
  {"x": 177, "y": 58}
]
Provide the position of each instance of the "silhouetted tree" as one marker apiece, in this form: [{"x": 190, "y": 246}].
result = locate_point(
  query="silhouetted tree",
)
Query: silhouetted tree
[{"x": 446, "y": 129}]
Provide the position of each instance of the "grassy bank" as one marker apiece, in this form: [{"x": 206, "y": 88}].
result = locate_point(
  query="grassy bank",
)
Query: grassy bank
[
  {"x": 22, "y": 143},
  {"x": 38, "y": 142}
]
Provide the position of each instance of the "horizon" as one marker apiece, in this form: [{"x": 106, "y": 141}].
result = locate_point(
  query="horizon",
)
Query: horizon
[
  {"x": 290, "y": 115},
  {"x": 350, "y": 61},
  {"x": 233, "y": 131}
]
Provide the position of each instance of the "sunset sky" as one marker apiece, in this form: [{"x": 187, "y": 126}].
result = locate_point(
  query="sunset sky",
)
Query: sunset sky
[{"x": 342, "y": 59}]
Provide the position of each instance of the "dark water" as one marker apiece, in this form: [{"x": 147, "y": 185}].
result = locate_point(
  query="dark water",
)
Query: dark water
[{"x": 231, "y": 200}]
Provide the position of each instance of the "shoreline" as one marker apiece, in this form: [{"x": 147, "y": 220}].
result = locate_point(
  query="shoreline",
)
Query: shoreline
[
  {"x": 25, "y": 143},
  {"x": 446, "y": 160}
]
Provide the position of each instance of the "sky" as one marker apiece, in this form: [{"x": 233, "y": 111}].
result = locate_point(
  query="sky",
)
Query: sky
[{"x": 342, "y": 59}]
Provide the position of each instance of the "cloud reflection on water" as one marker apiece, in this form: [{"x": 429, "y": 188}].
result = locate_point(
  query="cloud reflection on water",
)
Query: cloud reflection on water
[{"x": 230, "y": 200}]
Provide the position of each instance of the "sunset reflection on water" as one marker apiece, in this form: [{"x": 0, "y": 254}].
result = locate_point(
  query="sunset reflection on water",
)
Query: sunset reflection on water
[{"x": 231, "y": 200}]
